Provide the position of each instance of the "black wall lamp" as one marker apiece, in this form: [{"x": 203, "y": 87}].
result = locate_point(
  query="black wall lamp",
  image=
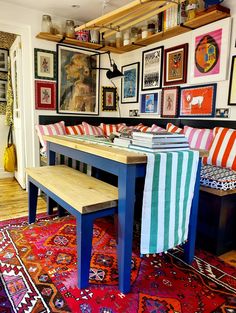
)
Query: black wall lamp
[{"x": 111, "y": 74}]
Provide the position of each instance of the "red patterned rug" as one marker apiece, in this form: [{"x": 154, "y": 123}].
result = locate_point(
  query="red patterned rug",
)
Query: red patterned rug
[{"x": 38, "y": 274}]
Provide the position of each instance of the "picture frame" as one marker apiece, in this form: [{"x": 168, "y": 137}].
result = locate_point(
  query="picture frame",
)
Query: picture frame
[
  {"x": 232, "y": 83},
  {"x": 209, "y": 53},
  {"x": 150, "y": 103},
  {"x": 175, "y": 65},
  {"x": 198, "y": 101},
  {"x": 109, "y": 99},
  {"x": 130, "y": 83},
  {"x": 3, "y": 60},
  {"x": 152, "y": 66},
  {"x": 3, "y": 90},
  {"x": 45, "y": 64},
  {"x": 78, "y": 80},
  {"x": 45, "y": 95},
  {"x": 169, "y": 103}
]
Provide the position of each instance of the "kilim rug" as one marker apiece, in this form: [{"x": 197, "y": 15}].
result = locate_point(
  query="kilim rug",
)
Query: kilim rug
[{"x": 38, "y": 274}]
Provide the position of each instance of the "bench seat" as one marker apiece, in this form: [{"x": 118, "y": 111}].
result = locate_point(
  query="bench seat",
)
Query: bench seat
[{"x": 85, "y": 197}]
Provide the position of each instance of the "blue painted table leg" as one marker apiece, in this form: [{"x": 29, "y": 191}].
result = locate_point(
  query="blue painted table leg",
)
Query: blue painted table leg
[
  {"x": 84, "y": 231},
  {"x": 51, "y": 161},
  {"x": 126, "y": 184},
  {"x": 189, "y": 247},
  {"x": 32, "y": 201}
]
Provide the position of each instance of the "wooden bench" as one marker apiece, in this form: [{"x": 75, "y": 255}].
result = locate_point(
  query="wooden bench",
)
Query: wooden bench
[
  {"x": 85, "y": 197},
  {"x": 216, "y": 229}
]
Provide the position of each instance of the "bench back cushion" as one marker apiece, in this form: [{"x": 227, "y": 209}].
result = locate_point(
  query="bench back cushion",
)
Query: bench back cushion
[
  {"x": 223, "y": 149},
  {"x": 75, "y": 130},
  {"x": 199, "y": 138},
  {"x": 50, "y": 129},
  {"x": 92, "y": 130},
  {"x": 173, "y": 129}
]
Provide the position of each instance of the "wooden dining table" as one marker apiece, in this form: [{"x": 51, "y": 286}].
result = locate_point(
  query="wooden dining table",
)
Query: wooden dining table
[{"x": 127, "y": 165}]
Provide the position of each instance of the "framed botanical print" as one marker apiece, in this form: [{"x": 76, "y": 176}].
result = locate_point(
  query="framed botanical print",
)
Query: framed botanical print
[
  {"x": 175, "y": 65},
  {"x": 45, "y": 95},
  {"x": 130, "y": 83},
  {"x": 198, "y": 101},
  {"x": 78, "y": 81},
  {"x": 109, "y": 99},
  {"x": 150, "y": 102},
  {"x": 3, "y": 90},
  {"x": 232, "y": 83},
  {"x": 45, "y": 64},
  {"x": 152, "y": 68},
  {"x": 209, "y": 53},
  {"x": 3, "y": 60},
  {"x": 169, "y": 103}
]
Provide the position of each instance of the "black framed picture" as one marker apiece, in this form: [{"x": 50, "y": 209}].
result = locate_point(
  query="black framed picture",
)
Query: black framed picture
[
  {"x": 130, "y": 83},
  {"x": 3, "y": 60},
  {"x": 152, "y": 66},
  {"x": 3, "y": 90},
  {"x": 78, "y": 81},
  {"x": 232, "y": 83},
  {"x": 45, "y": 64},
  {"x": 109, "y": 99}
]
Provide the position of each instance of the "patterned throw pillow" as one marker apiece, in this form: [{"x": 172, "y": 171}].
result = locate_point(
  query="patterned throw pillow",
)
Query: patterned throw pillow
[
  {"x": 92, "y": 130},
  {"x": 50, "y": 129},
  {"x": 75, "y": 130},
  {"x": 156, "y": 129},
  {"x": 173, "y": 129},
  {"x": 111, "y": 128},
  {"x": 199, "y": 138},
  {"x": 223, "y": 149},
  {"x": 142, "y": 128}
]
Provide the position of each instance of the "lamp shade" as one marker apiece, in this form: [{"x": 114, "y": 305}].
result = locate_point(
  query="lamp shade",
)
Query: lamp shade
[{"x": 115, "y": 73}]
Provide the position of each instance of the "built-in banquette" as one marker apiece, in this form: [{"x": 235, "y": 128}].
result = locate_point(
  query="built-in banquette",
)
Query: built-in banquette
[{"x": 216, "y": 231}]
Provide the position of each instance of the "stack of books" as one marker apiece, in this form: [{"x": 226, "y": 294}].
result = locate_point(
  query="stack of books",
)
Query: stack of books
[
  {"x": 159, "y": 142},
  {"x": 122, "y": 141}
]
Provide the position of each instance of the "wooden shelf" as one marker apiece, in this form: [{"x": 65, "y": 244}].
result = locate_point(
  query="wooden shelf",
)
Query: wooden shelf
[{"x": 206, "y": 17}]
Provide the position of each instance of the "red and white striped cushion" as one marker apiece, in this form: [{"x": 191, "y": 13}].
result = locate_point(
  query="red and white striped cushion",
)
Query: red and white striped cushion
[
  {"x": 92, "y": 130},
  {"x": 156, "y": 129},
  {"x": 75, "y": 130},
  {"x": 173, "y": 129},
  {"x": 50, "y": 129},
  {"x": 199, "y": 138},
  {"x": 223, "y": 149},
  {"x": 142, "y": 128},
  {"x": 111, "y": 128}
]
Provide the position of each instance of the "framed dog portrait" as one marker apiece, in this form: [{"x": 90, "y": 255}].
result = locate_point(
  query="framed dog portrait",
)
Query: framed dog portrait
[
  {"x": 209, "y": 53},
  {"x": 130, "y": 83},
  {"x": 78, "y": 81},
  {"x": 152, "y": 68},
  {"x": 109, "y": 99},
  {"x": 150, "y": 103},
  {"x": 169, "y": 103},
  {"x": 3, "y": 60},
  {"x": 45, "y": 95},
  {"x": 45, "y": 64},
  {"x": 175, "y": 65},
  {"x": 198, "y": 101}
]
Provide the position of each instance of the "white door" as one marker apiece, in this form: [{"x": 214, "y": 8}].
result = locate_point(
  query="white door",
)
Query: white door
[{"x": 18, "y": 116}]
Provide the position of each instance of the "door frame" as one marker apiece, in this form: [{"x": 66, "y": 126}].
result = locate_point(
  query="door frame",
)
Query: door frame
[{"x": 27, "y": 88}]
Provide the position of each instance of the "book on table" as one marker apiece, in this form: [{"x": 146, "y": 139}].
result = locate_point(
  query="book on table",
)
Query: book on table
[
  {"x": 150, "y": 136},
  {"x": 122, "y": 141},
  {"x": 160, "y": 144},
  {"x": 157, "y": 150}
]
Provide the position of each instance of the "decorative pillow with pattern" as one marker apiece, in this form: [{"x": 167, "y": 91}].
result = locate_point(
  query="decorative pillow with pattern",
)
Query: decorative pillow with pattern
[
  {"x": 75, "y": 130},
  {"x": 142, "y": 128},
  {"x": 111, "y": 128},
  {"x": 173, "y": 129},
  {"x": 50, "y": 129},
  {"x": 223, "y": 149},
  {"x": 155, "y": 128},
  {"x": 92, "y": 130},
  {"x": 199, "y": 138},
  {"x": 218, "y": 177}
]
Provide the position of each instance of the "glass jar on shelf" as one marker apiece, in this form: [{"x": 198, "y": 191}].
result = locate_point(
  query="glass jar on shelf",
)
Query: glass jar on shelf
[
  {"x": 144, "y": 32},
  {"x": 134, "y": 34},
  {"x": 70, "y": 29},
  {"x": 46, "y": 26},
  {"x": 126, "y": 38},
  {"x": 119, "y": 39},
  {"x": 151, "y": 28}
]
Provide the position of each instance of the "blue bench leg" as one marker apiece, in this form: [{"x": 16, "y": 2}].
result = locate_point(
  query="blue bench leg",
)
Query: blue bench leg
[
  {"x": 32, "y": 201},
  {"x": 189, "y": 246},
  {"x": 84, "y": 231}
]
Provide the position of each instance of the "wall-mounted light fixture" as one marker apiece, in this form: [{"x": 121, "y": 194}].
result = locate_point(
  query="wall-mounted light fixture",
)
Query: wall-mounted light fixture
[{"x": 111, "y": 74}]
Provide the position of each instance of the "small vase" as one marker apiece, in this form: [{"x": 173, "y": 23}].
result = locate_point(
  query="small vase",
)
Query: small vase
[{"x": 46, "y": 24}]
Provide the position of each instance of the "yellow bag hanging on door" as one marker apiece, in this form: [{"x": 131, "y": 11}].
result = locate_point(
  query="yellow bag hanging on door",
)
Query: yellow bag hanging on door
[{"x": 10, "y": 154}]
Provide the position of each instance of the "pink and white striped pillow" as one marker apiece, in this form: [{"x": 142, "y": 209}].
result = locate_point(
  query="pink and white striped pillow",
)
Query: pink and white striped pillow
[
  {"x": 92, "y": 130},
  {"x": 75, "y": 130},
  {"x": 50, "y": 129},
  {"x": 111, "y": 128},
  {"x": 173, "y": 129},
  {"x": 199, "y": 138},
  {"x": 155, "y": 128}
]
